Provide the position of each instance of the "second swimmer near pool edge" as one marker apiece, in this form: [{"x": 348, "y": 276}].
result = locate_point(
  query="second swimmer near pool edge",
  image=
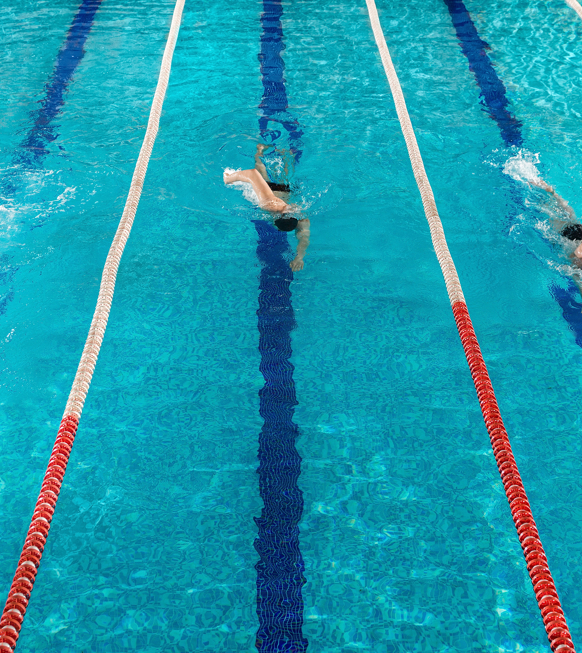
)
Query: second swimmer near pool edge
[
  {"x": 270, "y": 198},
  {"x": 569, "y": 228}
]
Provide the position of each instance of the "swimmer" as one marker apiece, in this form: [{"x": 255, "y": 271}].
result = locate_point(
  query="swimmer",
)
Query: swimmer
[
  {"x": 265, "y": 190},
  {"x": 570, "y": 229}
]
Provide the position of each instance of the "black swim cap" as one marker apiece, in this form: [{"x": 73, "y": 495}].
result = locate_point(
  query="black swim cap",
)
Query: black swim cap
[
  {"x": 288, "y": 224},
  {"x": 572, "y": 231}
]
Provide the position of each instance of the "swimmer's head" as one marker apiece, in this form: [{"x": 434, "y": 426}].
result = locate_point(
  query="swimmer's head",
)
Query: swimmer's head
[
  {"x": 572, "y": 231},
  {"x": 288, "y": 224}
]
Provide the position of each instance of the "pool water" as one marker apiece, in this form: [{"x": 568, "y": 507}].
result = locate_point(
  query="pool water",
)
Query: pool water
[{"x": 406, "y": 535}]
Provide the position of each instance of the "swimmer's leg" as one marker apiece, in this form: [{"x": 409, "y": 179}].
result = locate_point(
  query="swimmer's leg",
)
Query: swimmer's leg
[
  {"x": 267, "y": 199},
  {"x": 237, "y": 175}
]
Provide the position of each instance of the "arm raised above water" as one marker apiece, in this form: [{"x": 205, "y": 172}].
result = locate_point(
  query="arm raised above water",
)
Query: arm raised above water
[
  {"x": 559, "y": 224},
  {"x": 540, "y": 183}
]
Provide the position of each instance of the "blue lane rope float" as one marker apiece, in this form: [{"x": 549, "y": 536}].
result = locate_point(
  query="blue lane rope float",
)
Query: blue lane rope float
[
  {"x": 497, "y": 105},
  {"x": 280, "y": 570}
]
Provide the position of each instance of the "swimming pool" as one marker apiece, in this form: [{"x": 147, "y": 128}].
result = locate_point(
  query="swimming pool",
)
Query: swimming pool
[{"x": 405, "y": 536}]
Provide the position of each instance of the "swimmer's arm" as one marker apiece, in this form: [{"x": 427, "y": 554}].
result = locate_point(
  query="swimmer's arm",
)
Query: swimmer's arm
[
  {"x": 540, "y": 183},
  {"x": 259, "y": 165},
  {"x": 302, "y": 234},
  {"x": 564, "y": 205}
]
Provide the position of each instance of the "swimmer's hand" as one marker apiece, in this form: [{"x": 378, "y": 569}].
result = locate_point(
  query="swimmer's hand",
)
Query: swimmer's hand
[{"x": 297, "y": 264}]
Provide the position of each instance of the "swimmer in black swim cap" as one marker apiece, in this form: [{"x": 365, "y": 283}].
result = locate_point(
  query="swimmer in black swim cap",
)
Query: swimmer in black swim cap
[
  {"x": 573, "y": 231},
  {"x": 265, "y": 190},
  {"x": 568, "y": 228}
]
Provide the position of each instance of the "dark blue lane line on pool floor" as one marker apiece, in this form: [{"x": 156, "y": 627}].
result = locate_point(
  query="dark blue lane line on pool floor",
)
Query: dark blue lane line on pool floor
[
  {"x": 492, "y": 88},
  {"x": 274, "y": 103},
  {"x": 496, "y": 102},
  {"x": 280, "y": 570},
  {"x": 33, "y": 148}
]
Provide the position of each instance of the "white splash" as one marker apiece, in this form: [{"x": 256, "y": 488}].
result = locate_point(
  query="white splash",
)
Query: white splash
[
  {"x": 522, "y": 167},
  {"x": 25, "y": 205}
]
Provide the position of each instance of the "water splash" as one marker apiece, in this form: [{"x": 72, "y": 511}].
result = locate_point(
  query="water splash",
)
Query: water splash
[{"x": 523, "y": 167}]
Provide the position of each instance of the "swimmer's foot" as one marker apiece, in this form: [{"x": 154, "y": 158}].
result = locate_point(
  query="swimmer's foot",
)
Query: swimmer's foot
[{"x": 230, "y": 176}]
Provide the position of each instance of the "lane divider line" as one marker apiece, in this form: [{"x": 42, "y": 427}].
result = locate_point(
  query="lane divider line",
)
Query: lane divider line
[
  {"x": 575, "y": 6},
  {"x": 32, "y": 150},
  {"x": 22, "y": 584},
  {"x": 43, "y": 132},
  {"x": 536, "y": 561},
  {"x": 280, "y": 568},
  {"x": 491, "y": 87}
]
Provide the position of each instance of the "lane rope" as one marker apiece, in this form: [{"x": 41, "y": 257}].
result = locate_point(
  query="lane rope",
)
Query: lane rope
[
  {"x": 575, "y": 6},
  {"x": 22, "y": 584},
  {"x": 536, "y": 561}
]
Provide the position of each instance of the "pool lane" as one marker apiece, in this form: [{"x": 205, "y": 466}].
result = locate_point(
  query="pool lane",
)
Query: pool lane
[
  {"x": 33, "y": 149},
  {"x": 280, "y": 570},
  {"x": 493, "y": 94},
  {"x": 492, "y": 88}
]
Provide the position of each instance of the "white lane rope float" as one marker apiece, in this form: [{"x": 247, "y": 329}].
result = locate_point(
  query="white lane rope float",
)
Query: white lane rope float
[
  {"x": 21, "y": 588},
  {"x": 575, "y": 6},
  {"x": 537, "y": 564}
]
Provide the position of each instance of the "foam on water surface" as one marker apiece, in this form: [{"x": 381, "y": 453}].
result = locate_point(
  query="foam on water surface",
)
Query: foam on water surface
[{"x": 523, "y": 167}]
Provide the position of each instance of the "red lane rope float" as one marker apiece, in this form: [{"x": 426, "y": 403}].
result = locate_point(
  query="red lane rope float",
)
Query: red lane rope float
[
  {"x": 25, "y": 575},
  {"x": 536, "y": 561},
  {"x": 535, "y": 557},
  {"x": 23, "y": 582}
]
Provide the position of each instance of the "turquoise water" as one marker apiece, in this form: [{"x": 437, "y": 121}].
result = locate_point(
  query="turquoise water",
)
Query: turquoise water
[{"x": 406, "y": 534}]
